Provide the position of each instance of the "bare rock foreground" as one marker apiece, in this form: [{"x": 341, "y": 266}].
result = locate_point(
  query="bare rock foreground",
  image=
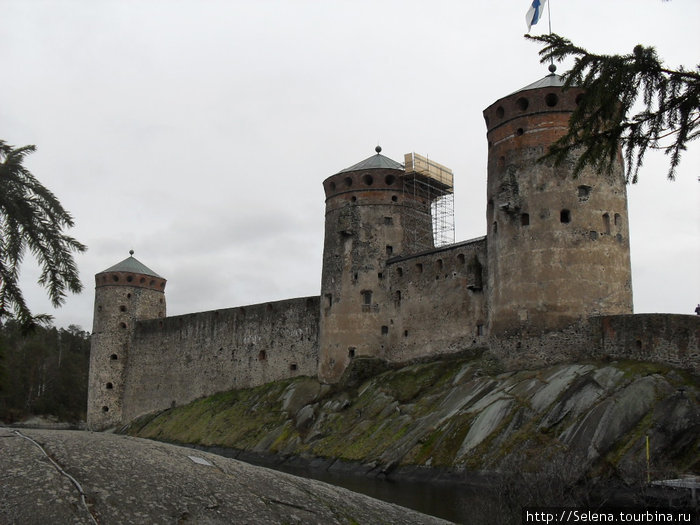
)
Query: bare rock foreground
[{"x": 127, "y": 480}]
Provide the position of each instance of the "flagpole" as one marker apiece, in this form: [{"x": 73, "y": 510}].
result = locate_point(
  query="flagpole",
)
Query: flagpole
[{"x": 552, "y": 67}]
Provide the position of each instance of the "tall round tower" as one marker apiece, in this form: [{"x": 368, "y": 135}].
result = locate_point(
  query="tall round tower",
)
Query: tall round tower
[
  {"x": 368, "y": 207},
  {"x": 558, "y": 245},
  {"x": 124, "y": 293}
]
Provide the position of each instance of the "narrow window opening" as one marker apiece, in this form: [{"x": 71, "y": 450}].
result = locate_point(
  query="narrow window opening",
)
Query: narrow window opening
[
  {"x": 399, "y": 271},
  {"x": 385, "y": 330},
  {"x": 351, "y": 352},
  {"x": 389, "y": 250},
  {"x": 419, "y": 268},
  {"x": 525, "y": 219},
  {"x": 332, "y": 186},
  {"x": 293, "y": 367},
  {"x": 367, "y": 297},
  {"x": 565, "y": 216},
  {"x": 606, "y": 223},
  {"x": 397, "y": 298},
  {"x": 460, "y": 258},
  {"x": 438, "y": 264},
  {"x": 109, "y": 386},
  {"x": 388, "y": 220},
  {"x": 495, "y": 226},
  {"x": 329, "y": 300},
  {"x": 262, "y": 355},
  {"x": 380, "y": 276},
  {"x": 405, "y": 333},
  {"x": 480, "y": 329},
  {"x": 618, "y": 220}
]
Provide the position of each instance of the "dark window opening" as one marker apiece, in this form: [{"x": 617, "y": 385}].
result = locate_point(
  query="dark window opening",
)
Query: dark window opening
[
  {"x": 105, "y": 409},
  {"x": 367, "y": 179},
  {"x": 419, "y": 267},
  {"x": 389, "y": 250},
  {"x": 551, "y": 100},
  {"x": 367, "y": 296},
  {"x": 399, "y": 271},
  {"x": 122, "y": 325},
  {"x": 618, "y": 220},
  {"x": 405, "y": 333},
  {"x": 495, "y": 226},
  {"x": 129, "y": 278},
  {"x": 438, "y": 264},
  {"x": 525, "y": 219},
  {"x": 606, "y": 223},
  {"x": 353, "y": 198},
  {"x": 114, "y": 357},
  {"x": 122, "y": 308},
  {"x": 565, "y": 216},
  {"x": 397, "y": 298},
  {"x": 389, "y": 180},
  {"x": 332, "y": 186},
  {"x": 519, "y": 132},
  {"x": 388, "y": 220},
  {"x": 480, "y": 329},
  {"x": 115, "y": 278},
  {"x": 329, "y": 300},
  {"x": 109, "y": 386},
  {"x": 262, "y": 355},
  {"x": 522, "y": 103},
  {"x": 460, "y": 258},
  {"x": 348, "y": 181},
  {"x": 380, "y": 275},
  {"x": 394, "y": 198},
  {"x": 584, "y": 192},
  {"x": 638, "y": 344},
  {"x": 293, "y": 367},
  {"x": 351, "y": 351},
  {"x": 385, "y": 330}
]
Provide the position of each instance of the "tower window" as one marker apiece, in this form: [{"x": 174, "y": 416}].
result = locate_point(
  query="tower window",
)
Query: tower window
[
  {"x": 105, "y": 409},
  {"x": 584, "y": 192},
  {"x": 351, "y": 351},
  {"x": 262, "y": 355},
  {"x": 293, "y": 367},
  {"x": 394, "y": 198},
  {"x": 367, "y": 179},
  {"x": 114, "y": 357},
  {"x": 389, "y": 180},
  {"x": 397, "y": 298},
  {"x": 551, "y": 100},
  {"x": 348, "y": 181},
  {"x": 525, "y": 219},
  {"x": 385, "y": 330},
  {"x": 419, "y": 268},
  {"x": 122, "y": 325},
  {"x": 329, "y": 300},
  {"x": 500, "y": 112},
  {"x": 389, "y": 250},
  {"x": 480, "y": 329},
  {"x": 388, "y": 220},
  {"x": 122, "y": 308},
  {"x": 109, "y": 386},
  {"x": 460, "y": 258},
  {"x": 399, "y": 271},
  {"x": 367, "y": 296},
  {"x": 606, "y": 223},
  {"x": 522, "y": 103},
  {"x": 618, "y": 220},
  {"x": 519, "y": 131},
  {"x": 565, "y": 216}
]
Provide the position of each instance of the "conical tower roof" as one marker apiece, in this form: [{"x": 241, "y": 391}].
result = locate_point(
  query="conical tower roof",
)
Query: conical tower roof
[
  {"x": 132, "y": 265},
  {"x": 375, "y": 162}
]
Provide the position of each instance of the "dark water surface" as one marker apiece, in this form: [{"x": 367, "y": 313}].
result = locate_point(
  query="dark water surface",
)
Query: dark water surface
[{"x": 453, "y": 501}]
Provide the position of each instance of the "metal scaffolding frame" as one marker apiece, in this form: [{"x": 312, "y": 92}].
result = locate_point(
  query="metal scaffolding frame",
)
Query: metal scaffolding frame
[{"x": 432, "y": 184}]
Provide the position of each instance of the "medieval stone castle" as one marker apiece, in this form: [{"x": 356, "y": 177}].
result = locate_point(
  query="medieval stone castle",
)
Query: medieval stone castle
[{"x": 550, "y": 281}]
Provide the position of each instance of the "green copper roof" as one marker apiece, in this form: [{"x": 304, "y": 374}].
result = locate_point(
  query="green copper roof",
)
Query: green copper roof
[
  {"x": 551, "y": 80},
  {"x": 130, "y": 264},
  {"x": 375, "y": 162}
]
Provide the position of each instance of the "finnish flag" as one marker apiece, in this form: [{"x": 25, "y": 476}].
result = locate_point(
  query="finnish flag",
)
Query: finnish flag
[{"x": 534, "y": 13}]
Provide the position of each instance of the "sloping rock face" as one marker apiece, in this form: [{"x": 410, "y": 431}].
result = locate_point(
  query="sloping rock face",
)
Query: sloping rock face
[
  {"x": 460, "y": 414},
  {"x": 133, "y": 481}
]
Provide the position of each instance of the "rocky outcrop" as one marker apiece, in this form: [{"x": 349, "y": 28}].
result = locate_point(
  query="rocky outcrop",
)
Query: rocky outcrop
[
  {"x": 53, "y": 476},
  {"x": 459, "y": 415}
]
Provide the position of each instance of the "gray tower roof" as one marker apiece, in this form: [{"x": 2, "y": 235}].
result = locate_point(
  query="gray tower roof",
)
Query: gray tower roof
[
  {"x": 374, "y": 162},
  {"x": 551, "y": 80},
  {"x": 130, "y": 264}
]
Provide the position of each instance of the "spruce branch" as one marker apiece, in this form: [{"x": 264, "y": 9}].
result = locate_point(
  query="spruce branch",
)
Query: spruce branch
[{"x": 605, "y": 118}]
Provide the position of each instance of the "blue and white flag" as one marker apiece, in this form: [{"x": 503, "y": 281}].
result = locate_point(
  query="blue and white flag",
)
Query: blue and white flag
[{"x": 534, "y": 13}]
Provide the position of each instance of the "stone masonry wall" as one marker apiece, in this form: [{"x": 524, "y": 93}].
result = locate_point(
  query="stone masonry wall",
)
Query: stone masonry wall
[
  {"x": 437, "y": 303},
  {"x": 179, "y": 359},
  {"x": 668, "y": 338}
]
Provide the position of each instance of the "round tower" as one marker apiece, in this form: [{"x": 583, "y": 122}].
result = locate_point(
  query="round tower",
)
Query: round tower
[
  {"x": 558, "y": 245},
  {"x": 124, "y": 293},
  {"x": 371, "y": 216}
]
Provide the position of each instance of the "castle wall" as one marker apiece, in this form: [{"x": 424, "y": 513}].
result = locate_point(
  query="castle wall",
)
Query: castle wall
[
  {"x": 437, "y": 303},
  {"x": 179, "y": 359},
  {"x": 673, "y": 339}
]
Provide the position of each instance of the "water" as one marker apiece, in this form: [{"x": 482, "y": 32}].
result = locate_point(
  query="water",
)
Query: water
[{"x": 457, "y": 502}]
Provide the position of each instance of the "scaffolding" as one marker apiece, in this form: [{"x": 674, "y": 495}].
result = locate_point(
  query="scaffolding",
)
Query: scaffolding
[{"x": 431, "y": 187}]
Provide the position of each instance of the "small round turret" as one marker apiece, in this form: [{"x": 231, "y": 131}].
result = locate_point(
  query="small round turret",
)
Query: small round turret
[{"x": 124, "y": 293}]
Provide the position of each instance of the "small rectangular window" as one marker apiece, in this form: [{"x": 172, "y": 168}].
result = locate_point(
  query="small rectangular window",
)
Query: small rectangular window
[
  {"x": 388, "y": 220},
  {"x": 389, "y": 250}
]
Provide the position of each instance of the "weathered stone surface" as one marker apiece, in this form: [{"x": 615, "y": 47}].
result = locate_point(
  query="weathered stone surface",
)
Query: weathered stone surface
[
  {"x": 447, "y": 414},
  {"x": 134, "y": 481}
]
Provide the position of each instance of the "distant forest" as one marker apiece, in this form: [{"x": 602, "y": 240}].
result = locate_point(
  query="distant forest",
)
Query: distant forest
[{"x": 43, "y": 372}]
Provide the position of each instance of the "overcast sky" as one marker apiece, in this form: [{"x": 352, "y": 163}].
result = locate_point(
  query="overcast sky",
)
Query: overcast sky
[{"x": 198, "y": 132}]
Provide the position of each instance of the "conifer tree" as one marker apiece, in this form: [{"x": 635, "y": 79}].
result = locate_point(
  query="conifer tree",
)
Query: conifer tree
[
  {"x": 31, "y": 217},
  {"x": 607, "y": 117}
]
